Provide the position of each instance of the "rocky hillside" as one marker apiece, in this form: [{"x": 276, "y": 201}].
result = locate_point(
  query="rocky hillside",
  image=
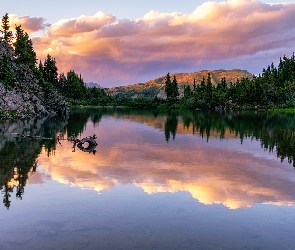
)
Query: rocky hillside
[
  {"x": 26, "y": 98},
  {"x": 156, "y": 87}
]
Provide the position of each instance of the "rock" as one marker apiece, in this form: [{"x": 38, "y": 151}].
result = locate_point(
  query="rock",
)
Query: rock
[{"x": 27, "y": 98}]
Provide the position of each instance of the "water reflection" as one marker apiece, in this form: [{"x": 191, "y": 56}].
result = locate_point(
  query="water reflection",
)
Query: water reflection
[
  {"x": 171, "y": 125},
  {"x": 130, "y": 151},
  {"x": 18, "y": 156},
  {"x": 225, "y": 168}
]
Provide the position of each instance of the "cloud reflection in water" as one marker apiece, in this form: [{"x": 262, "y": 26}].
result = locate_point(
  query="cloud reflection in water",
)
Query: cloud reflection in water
[{"x": 133, "y": 153}]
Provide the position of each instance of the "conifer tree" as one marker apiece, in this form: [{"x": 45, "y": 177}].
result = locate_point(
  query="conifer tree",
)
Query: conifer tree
[
  {"x": 175, "y": 89},
  {"x": 40, "y": 67},
  {"x": 24, "y": 51},
  {"x": 75, "y": 86},
  {"x": 168, "y": 87},
  {"x": 202, "y": 87},
  {"x": 171, "y": 89},
  {"x": 6, "y": 73},
  {"x": 194, "y": 86},
  {"x": 7, "y": 34},
  {"x": 62, "y": 83},
  {"x": 187, "y": 92},
  {"x": 208, "y": 89},
  {"x": 50, "y": 73}
]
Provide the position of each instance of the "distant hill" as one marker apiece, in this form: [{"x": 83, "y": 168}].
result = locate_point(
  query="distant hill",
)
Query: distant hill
[
  {"x": 93, "y": 84},
  {"x": 156, "y": 87}
]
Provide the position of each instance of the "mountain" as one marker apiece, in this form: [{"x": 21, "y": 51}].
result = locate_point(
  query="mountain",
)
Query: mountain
[
  {"x": 92, "y": 85},
  {"x": 156, "y": 87}
]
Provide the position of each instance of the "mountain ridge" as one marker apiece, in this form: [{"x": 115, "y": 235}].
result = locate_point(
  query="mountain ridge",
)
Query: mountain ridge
[{"x": 156, "y": 87}]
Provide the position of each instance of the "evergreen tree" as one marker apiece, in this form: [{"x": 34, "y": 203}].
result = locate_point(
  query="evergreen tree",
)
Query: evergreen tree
[
  {"x": 168, "y": 87},
  {"x": 202, "y": 88},
  {"x": 40, "y": 67},
  {"x": 175, "y": 92},
  {"x": 171, "y": 89},
  {"x": 75, "y": 86},
  {"x": 194, "y": 86},
  {"x": 39, "y": 74},
  {"x": 187, "y": 92},
  {"x": 7, "y": 35},
  {"x": 208, "y": 95},
  {"x": 95, "y": 92},
  {"x": 6, "y": 73},
  {"x": 24, "y": 51},
  {"x": 50, "y": 73},
  {"x": 62, "y": 83}
]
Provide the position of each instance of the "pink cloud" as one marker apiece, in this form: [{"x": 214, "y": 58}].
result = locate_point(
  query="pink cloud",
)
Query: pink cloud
[
  {"x": 107, "y": 50},
  {"x": 29, "y": 24},
  {"x": 82, "y": 24}
]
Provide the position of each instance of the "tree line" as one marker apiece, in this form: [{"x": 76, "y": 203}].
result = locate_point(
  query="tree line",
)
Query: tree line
[
  {"x": 275, "y": 87},
  {"x": 19, "y": 50}
]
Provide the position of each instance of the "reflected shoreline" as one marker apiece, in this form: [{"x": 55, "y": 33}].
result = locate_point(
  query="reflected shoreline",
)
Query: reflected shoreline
[{"x": 160, "y": 173}]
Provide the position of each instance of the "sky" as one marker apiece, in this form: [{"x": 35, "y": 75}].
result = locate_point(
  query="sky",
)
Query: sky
[{"x": 115, "y": 42}]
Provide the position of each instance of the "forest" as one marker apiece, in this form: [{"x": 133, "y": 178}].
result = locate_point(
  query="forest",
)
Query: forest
[{"x": 273, "y": 88}]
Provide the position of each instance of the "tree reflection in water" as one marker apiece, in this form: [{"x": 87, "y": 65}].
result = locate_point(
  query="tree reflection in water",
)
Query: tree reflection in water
[
  {"x": 275, "y": 131},
  {"x": 171, "y": 125},
  {"x": 18, "y": 154}
]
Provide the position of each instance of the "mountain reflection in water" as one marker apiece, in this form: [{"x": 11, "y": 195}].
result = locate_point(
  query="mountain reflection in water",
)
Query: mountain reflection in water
[{"x": 161, "y": 152}]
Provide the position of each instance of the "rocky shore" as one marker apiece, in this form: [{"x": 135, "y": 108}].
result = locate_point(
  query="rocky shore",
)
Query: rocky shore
[{"x": 27, "y": 98}]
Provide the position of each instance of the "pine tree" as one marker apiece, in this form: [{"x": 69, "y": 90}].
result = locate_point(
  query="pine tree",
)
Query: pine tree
[
  {"x": 50, "y": 73},
  {"x": 75, "y": 86},
  {"x": 168, "y": 87},
  {"x": 7, "y": 35},
  {"x": 24, "y": 51},
  {"x": 194, "y": 86},
  {"x": 187, "y": 92},
  {"x": 175, "y": 92},
  {"x": 39, "y": 74},
  {"x": 208, "y": 94},
  {"x": 202, "y": 88},
  {"x": 6, "y": 73},
  {"x": 40, "y": 67},
  {"x": 62, "y": 83}
]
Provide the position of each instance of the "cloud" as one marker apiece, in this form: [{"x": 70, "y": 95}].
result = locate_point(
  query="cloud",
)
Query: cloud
[
  {"x": 82, "y": 24},
  {"x": 112, "y": 51},
  {"x": 241, "y": 179},
  {"x": 29, "y": 24}
]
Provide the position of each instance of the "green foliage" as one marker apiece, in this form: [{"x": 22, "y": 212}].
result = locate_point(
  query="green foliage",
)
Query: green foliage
[
  {"x": 168, "y": 86},
  {"x": 62, "y": 83},
  {"x": 95, "y": 93},
  {"x": 6, "y": 73},
  {"x": 75, "y": 87},
  {"x": 187, "y": 93},
  {"x": 7, "y": 34},
  {"x": 49, "y": 71},
  {"x": 171, "y": 89},
  {"x": 24, "y": 51},
  {"x": 175, "y": 92},
  {"x": 274, "y": 88}
]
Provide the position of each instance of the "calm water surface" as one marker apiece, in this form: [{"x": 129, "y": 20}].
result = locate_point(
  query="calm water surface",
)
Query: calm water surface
[{"x": 156, "y": 180}]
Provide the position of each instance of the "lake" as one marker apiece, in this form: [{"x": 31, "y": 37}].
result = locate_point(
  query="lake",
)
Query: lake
[{"x": 156, "y": 180}]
